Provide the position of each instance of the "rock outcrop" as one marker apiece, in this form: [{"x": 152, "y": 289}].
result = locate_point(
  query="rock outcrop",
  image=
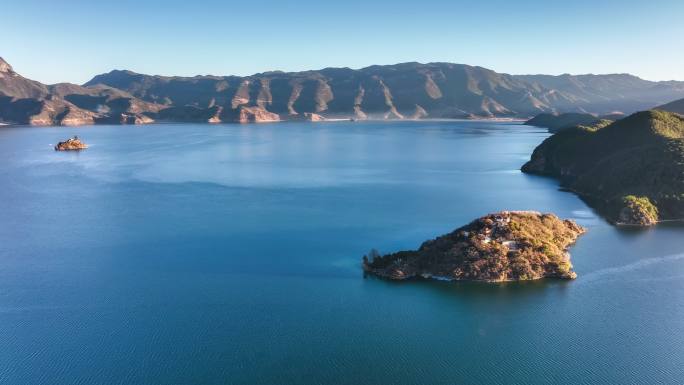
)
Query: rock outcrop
[
  {"x": 637, "y": 211},
  {"x": 135, "y": 119},
  {"x": 256, "y": 114},
  {"x": 506, "y": 246},
  {"x": 307, "y": 117},
  {"x": 312, "y": 117},
  {"x": 71, "y": 144}
]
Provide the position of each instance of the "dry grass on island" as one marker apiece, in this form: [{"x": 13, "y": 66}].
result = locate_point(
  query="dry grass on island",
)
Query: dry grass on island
[{"x": 506, "y": 246}]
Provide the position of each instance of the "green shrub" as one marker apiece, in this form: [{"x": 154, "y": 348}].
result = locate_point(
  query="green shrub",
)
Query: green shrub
[{"x": 642, "y": 204}]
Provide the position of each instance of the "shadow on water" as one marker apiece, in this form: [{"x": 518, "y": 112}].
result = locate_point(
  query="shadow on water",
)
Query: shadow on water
[
  {"x": 627, "y": 232},
  {"x": 474, "y": 290}
]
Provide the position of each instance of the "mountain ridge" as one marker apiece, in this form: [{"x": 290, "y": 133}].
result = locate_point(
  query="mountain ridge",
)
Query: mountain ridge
[
  {"x": 676, "y": 106},
  {"x": 470, "y": 90},
  {"x": 409, "y": 90}
]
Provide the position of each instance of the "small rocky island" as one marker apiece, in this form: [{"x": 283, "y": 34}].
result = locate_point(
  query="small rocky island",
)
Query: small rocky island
[
  {"x": 506, "y": 246},
  {"x": 71, "y": 144}
]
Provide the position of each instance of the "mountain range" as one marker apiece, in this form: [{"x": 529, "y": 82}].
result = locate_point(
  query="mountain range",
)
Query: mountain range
[{"x": 400, "y": 91}]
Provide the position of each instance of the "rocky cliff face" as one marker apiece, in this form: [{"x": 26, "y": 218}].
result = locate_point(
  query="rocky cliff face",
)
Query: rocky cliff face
[
  {"x": 506, "y": 246},
  {"x": 256, "y": 114}
]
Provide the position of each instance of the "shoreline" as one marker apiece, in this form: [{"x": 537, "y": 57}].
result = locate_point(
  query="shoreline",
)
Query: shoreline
[
  {"x": 598, "y": 204},
  {"x": 433, "y": 278}
]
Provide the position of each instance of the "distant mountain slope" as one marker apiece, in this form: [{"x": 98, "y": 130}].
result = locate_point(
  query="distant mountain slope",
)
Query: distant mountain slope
[
  {"x": 25, "y": 101},
  {"x": 16, "y": 86},
  {"x": 677, "y": 107},
  {"x": 632, "y": 170},
  {"x": 602, "y": 94},
  {"x": 385, "y": 92},
  {"x": 401, "y": 91},
  {"x": 407, "y": 90},
  {"x": 559, "y": 122}
]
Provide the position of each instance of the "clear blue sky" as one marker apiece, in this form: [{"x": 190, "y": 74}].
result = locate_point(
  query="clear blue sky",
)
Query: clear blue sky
[{"x": 54, "y": 41}]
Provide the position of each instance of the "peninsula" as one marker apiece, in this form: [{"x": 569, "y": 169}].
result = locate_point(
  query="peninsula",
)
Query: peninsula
[
  {"x": 632, "y": 170},
  {"x": 505, "y": 246}
]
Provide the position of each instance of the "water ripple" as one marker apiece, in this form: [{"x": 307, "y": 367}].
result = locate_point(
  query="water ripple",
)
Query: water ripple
[{"x": 599, "y": 274}]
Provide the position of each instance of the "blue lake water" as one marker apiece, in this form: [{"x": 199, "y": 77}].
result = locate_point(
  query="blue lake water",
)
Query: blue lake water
[{"x": 229, "y": 254}]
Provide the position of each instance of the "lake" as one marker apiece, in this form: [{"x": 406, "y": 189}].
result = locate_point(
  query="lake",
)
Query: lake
[{"x": 230, "y": 254}]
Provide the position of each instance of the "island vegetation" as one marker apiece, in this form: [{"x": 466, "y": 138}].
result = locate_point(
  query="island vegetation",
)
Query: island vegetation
[
  {"x": 638, "y": 210},
  {"x": 505, "y": 246},
  {"x": 631, "y": 170}
]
